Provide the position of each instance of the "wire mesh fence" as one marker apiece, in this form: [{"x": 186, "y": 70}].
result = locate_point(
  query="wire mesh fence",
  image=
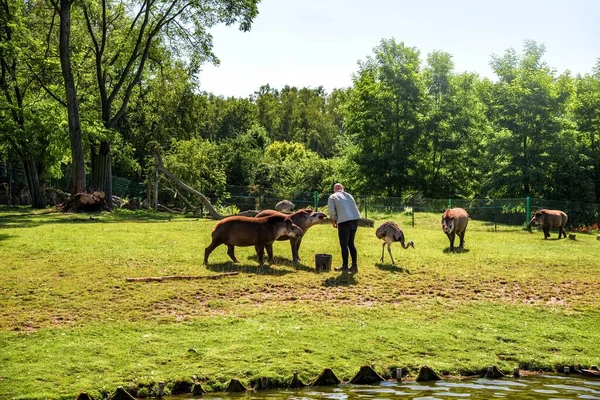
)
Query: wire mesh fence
[
  {"x": 122, "y": 187},
  {"x": 504, "y": 211}
]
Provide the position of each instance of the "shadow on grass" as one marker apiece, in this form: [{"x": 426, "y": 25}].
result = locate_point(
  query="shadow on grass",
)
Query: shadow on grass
[
  {"x": 20, "y": 218},
  {"x": 248, "y": 269},
  {"x": 303, "y": 267},
  {"x": 285, "y": 262},
  {"x": 344, "y": 279},
  {"x": 145, "y": 216},
  {"x": 392, "y": 268},
  {"x": 456, "y": 250},
  {"x": 28, "y": 219},
  {"x": 4, "y": 236}
]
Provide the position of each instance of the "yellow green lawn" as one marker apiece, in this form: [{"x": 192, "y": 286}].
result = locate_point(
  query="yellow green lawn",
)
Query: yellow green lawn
[{"x": 70, "y": 322}]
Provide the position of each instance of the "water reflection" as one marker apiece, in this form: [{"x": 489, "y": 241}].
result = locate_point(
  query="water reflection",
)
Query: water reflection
[{"x": 527, "y": 388}]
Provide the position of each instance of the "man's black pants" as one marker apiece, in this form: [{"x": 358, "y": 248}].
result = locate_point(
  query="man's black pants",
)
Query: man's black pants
[{"x": 346, "y": 234}]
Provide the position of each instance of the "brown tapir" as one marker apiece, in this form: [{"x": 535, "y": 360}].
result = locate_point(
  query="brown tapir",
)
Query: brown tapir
[
  {"x": 304, "y": 219},
  {"x": 550, "y": 219},
  {"x": 454, "y": 222},
  {"x": 248, "y": 231}
]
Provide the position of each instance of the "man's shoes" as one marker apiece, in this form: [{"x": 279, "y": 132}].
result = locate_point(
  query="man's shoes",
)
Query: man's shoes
[
  {"x": 354, "y": 270},
  {"x": 341, "y": 269}
]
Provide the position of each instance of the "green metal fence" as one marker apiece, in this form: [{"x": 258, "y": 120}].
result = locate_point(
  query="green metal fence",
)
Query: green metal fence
[
  {"x": 513, "y": 212},
  {"x": 122, "y": 187}
]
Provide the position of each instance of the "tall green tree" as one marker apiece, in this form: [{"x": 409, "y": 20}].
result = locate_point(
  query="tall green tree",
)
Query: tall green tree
[
  {"x": 30, "y": 124},
  {"x": 161, "y": 110},
  {"x": 316, "y": 128},
  {"x": 125, "y": 44},
  {"x": 290, "y": 169},
  {"x": 237, "y": 116},
  {"x": 269, "y": 110},
  {"x": 63, "y": 9},
  {"x": 242, "y": 155},
  {"x": 197, "y": 163},
  {"x": 453, "y": 128},
  {"x": 385, "y": 115},
  {"x": 525, "y": 109},
  {"x": 587, "y": 117}
]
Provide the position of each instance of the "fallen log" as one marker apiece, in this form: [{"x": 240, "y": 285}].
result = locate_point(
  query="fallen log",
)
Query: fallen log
[
  {"x": 159, "y": 167},
  {"x": 179, "y": 277},
  {"x": 86, "y": 202}
]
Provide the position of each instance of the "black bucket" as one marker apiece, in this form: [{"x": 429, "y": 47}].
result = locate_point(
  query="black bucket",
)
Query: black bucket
[{"x": 323, "y": 262}]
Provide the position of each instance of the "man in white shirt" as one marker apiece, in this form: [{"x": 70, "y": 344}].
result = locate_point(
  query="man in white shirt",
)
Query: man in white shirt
[{"x": 344, "y": 215}]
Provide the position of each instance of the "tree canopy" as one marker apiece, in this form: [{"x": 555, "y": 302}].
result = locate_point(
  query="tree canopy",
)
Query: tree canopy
[{"x": 87, "y": 85}]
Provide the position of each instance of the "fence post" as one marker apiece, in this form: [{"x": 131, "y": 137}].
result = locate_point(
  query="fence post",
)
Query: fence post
[
  {"x": 156, "y": 177},
  {"x": 413, "y": 217},
  {"x": 527, "y": 209},
  {"x": 495, "y": 219},
  {"x": 316, "y": 200},
  {"x": 148, "y": 191},
  {"x": 366, "y": 207},
  {"x": 449, "y": 203}
]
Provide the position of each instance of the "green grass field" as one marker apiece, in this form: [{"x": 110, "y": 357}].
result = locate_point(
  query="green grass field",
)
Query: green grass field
[{"x": 70, "y": 322}]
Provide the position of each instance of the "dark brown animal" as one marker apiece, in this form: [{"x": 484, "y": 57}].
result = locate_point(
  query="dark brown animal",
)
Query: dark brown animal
[
  {"x": 454, "y": 222},
  {"x": 248, "y": 231},
  {"x": 390, "y": 232},
  {"x": 550, "y": 219},
  {"x": 304, "y": 219}
]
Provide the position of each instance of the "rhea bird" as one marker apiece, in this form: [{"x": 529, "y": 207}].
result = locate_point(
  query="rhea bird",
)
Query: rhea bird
[{"x": 390, "y": 232}]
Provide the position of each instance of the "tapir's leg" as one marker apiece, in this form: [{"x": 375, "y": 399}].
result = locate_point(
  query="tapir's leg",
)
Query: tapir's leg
[
  {"x": 296, "y": 248},
  {"x": 451, "y": 237},
  {"x": 461, "y": 235},
  {"x": 214, "y": 244},
  {"x": 231, "y": 253},
  {"x": 260, "y": 252},
  {"x": 269, "y": 248},
  {"x": 546, "y": 230}
]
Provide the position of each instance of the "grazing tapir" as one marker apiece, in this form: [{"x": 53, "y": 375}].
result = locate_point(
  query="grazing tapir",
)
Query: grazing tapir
[
  {"x": 304, "y": 219},
  {"x": 248, "y": 231},
  {"x": 454, "y": 222},
  {"x": 550, "y": 219}
]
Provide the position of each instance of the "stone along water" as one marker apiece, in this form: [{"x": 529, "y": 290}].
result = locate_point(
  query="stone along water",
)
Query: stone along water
[{"x": 527, "y": 388}]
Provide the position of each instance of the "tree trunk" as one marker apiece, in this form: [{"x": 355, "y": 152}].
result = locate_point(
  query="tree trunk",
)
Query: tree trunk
[
  {"x": 159, "y": 166},
  {"x": 11, "y": 200},
  {"x": 78, "y": 163},
  {"x": 38, "y": 200},
  {"x": 102, "y": 171},
  {"x": 211, "y": 210}
]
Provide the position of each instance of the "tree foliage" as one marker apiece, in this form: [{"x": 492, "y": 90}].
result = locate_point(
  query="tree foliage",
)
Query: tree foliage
[
  {"x": 385, "y": 116},
  {"x": 408, "y": 125},
  {"x": 526, "y": 109}
]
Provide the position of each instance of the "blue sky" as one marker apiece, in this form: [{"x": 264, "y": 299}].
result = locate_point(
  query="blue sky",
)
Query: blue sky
[{"x": 318, "y": 43}]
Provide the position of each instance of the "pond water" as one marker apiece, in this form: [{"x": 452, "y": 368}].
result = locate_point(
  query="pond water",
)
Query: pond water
[{"x": 528, "y": 388}]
